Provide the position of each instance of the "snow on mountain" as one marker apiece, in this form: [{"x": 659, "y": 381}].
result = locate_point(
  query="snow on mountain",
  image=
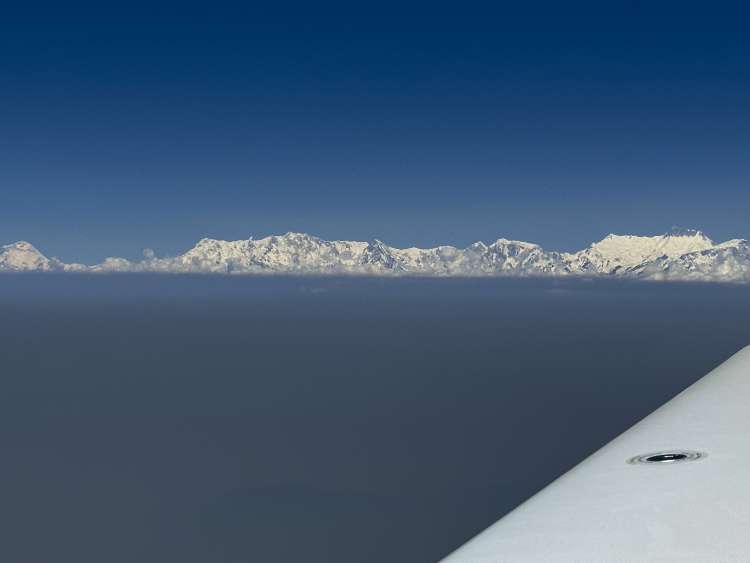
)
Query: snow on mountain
[
  {"x": 22, "y": 256},
  {"x": 522, "y": 257},
  {"x": 302, "y": 253},
  {"x": 379, "y": 257},
  {"x": 503, "y": 257},
  {"x": 290, "y": 253},
  {"x": 677, "y": 255},
  {"x": 616, "y": 254},
  {"x": 726, "y": 262}
]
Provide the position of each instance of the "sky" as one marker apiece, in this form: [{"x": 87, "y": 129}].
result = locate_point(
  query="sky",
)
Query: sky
[{"x": 416, "y": 125}]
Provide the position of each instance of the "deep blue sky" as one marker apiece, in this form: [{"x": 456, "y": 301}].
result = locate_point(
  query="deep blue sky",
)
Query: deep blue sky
[{"x": 413, "y": 125}]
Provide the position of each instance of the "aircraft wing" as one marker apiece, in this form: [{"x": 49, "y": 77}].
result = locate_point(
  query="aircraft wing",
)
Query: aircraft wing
[{"x": 674, "y": 487}]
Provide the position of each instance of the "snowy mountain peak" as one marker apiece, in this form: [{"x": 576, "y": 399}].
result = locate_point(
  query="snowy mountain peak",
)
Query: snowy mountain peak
[
  {"x": 615, "y": 254},
  {"x": 734, "y": 243},
  {"x": 294, "y": 235},
  {"x": 22, "y": 246},
  {"x": 379, "y": 255},
  {"x": 683, "y": 232},
  {"x": 205, "y": 241},
  {"x": 22, "y": 256},
  {"x": 677, "y": 255},
  {"x": 478, "y": 246},
  {"x": 504, "y": 242}
]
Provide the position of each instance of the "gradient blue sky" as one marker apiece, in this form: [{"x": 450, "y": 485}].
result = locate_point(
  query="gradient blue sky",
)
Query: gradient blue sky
[{"x": 416, "y": 126}]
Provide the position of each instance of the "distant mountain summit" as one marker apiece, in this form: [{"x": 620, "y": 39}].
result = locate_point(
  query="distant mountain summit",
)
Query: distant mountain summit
[
  {"x": 678, "y": 255},
  {"x": 683, "y": 232},
  {"x": 22, "y": 256},
  {"x": 616, "y": 254}
]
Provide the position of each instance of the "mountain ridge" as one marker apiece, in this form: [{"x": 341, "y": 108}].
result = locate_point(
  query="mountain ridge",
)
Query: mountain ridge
[{"x": 678, "y": 255}]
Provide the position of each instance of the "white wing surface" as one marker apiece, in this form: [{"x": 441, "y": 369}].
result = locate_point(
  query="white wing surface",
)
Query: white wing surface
[{"x": 674, "y": 487}]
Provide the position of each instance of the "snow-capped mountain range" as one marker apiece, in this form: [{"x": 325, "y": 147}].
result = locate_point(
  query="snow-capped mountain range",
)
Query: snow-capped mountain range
[{"x": 680, "y": 255}]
